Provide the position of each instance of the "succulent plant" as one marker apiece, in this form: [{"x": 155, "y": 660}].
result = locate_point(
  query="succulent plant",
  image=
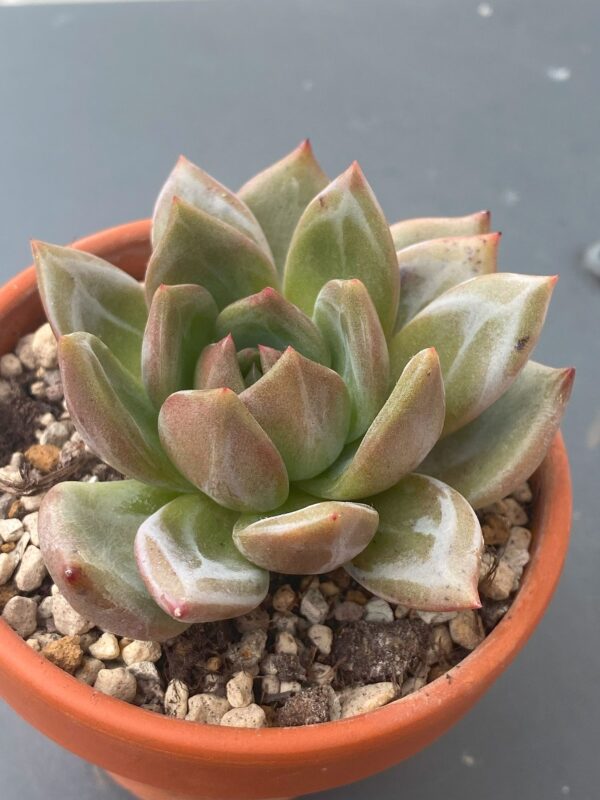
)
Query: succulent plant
[{"x": 296, "y": 387}]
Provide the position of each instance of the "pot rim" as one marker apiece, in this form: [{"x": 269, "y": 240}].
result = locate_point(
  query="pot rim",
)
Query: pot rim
[{"x": 445, "y": 695}]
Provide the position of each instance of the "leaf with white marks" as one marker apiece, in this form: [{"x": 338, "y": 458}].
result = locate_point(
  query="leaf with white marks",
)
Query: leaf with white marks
[
  {"x": 190, "y": 565},
  {"x": 484, "y": 331},
  {"x": 305, "y": 409},
  {"x": 410, "y": 231},
  {"x": 219, "y": 446},
  {"x": 201, "y": 249},
  {"x": 427, "y": 549},
  {"x": 278, "y": 195},
  {"x": 430, "y": 268},
  {"x": 180, "y": 324},
  {"x": 269, "y": 319},
  {"x": 82, "y": 292},
  {"x": 218, "y": 367},
  {"x": 403, "y": 432},
  {"x": 305, "y": 536},
  {"x": 112, "y": 413},
  {"x": 197, "y": 188},
  {"x": 87, "y": 531},
  {"x": 344, "y": 234},
  {"x": 488, "y": 458},
  {"x": 347, "y": 318}
]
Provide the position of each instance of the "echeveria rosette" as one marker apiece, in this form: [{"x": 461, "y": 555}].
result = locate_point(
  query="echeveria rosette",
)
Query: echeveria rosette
[{"x": 296, "y": 387}]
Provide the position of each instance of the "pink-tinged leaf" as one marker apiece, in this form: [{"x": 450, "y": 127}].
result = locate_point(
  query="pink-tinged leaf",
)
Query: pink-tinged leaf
[
  {"x": 269, "y": 319},
  {"x": 219, "y": 446},
  {"x": 305, "y": 409},
  {"x": 218, "y": 367},
  {"x": 197, "y": 248},
  {"x": 180, "y": 324},
  {"x": 82, "y": 292},
  {"x": 200, "y": 190},
  {"x": 305, "y": 536},
  {"x": 190, "y": 565},
  {"x": 268, "y": 357},
  {"x": 111, "y": 411},
  {"x": 427, "y": 549},
  {"x": 484, "y": 331},
  {"x": 410, "y": 231},
  {"x": 278, "y": 196},
  {"x": 430, "y": 268},
  {"x": 488, "y": 458},
  {"x": 246, "y": 357},
  {"x": 87, "y": 532},
  {"x": 344, "y": 234},
  {"x": 402, "y": 434},
  {"x": 347, "y": 318}
]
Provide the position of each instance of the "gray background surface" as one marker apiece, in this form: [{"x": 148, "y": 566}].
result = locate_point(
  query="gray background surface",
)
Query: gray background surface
[{"x": 448, "y": 111}]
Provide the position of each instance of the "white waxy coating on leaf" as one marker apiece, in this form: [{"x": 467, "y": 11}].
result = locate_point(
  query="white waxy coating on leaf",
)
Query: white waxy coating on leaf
[
  {"x": 428, "y": 269},
  {"x": 484, "y": 331},
  {"x": 410, "y": 231},
  {"x": 402, "y": 434},
  {"x": 344, "y": 234},
  {"x": 82, "y": 292},
  {"x": 199, "y": 189},
  {"x": 305, "y": 410},
  {"x": 305, "y": 536},
  {"x": 219, "y": 446},
  {"x": 488, "y": 458},
  {"x": 427, "y": 549},
  {"x": 190, "y": 565}
]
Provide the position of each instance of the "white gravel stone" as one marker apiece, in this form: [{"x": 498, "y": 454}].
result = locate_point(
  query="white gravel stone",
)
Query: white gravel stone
[
  {"x": 32, "y": 502},
  {"x": 57, "y": 433},
  {"x": 321, "y": 674},
  {"x": 271, "y": 686},
  {"x": 5, "y": 391},
  {"x": 251, "y": 716},
  {"x": 31, "y": 571},
  {"x": 516, "y": 552},
  {"x": 30, "y": 523},
  {"x": 44, "y": 347},
  {"x": 290, "y": 687},
  {"x": 34, "y": 644},
  {"x": 45, "y": 609},
  {"x": 322, "y": 638},
  {"x": 11, "y": 530},
  {"x": 436, "y": 617},
  {"x": 141, "y": 651},
  {"x": 21, "y": 614},
  {"x": 106, "y": 648},
  {"x": 68, "y": 621},
  {"x": 314, "y": 607},
  {"x": 348, "y": 611},
  {"x": 466, "y": 630},
  {"x": 176, "y": 699},
  {"x": 378, "y": 610},
  {"x": 11, "y": 475},
  {"x": 207, "y": 708},
  {"x": 440, "y": 644},
  {"x": 119, "y": 683},
  {"x": 239, "y": 690},
  {"x": 10, "y": 366},
  {"x": 38, "y": 389},
  {"x": 515, "y": 512},
  {"x": 286, "y": 643},
  {"x": 8, "y": 564},
  {"x": 366, "y": 698},
  {"x": 24, "y": 351},
  {"x": 499, "y": 583},
  {"x": 401, "y": 611},
  {"x": 89, "y": 670}
]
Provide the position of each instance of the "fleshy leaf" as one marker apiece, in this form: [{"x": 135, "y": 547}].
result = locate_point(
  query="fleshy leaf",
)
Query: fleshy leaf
[
  {"x": 346, "y": 316},
  {"x": 491, "y": 456},
  {"x": 190, "y": 565},
  {"x": 344, "y": 234},
  {"x": 197, "y": 188},
  {"x": 197, "y": 248},
  {"x": 305, "y": 409},
  {"x": 410, "y": 231},
  {"x": 268, "y": 318},
  {"x": 305, "y": 536},
  {"x": 427, "y": 549},
  {"x": 252, "y": 376},
  {"x": 278, "y": 195},
  {"x": 217, "y": 444},
  {"x": 82, "y": 292},
  {"x": 484, "y": 331},
  {"x": 246, "y": 357},
  {"x": 268, "y": 357},
  {"x": 218, "y": 367},
  {"x": 430, "y": 268},
  {"x": 402, "y": 434},
  {"x": 87, "y": 531},
  {"x": 180, "y": 324},
  {"x": 112, "y": 412}
]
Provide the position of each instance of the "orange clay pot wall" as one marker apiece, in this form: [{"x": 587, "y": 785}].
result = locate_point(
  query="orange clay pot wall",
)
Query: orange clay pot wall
[{"x": 159, "y": 758}]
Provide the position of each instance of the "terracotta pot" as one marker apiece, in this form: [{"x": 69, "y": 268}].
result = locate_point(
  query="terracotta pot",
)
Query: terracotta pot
[{"x": 158, "y": 758}]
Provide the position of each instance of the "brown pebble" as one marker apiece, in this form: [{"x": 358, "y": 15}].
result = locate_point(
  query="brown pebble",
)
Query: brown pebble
[
  {"x": 44, "y": 457},
  {"x": 356, "y": 596},
  {"x": 66, "y": 653},
  {"x": 7, "y": 592},
  {"x": 214, "y": 663},
  {"x": 15, "y": 510},
  {"x": 7, "y": 547},
  {"x": 495, "y": 529},
  {"x": 284, "y": 598}
]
